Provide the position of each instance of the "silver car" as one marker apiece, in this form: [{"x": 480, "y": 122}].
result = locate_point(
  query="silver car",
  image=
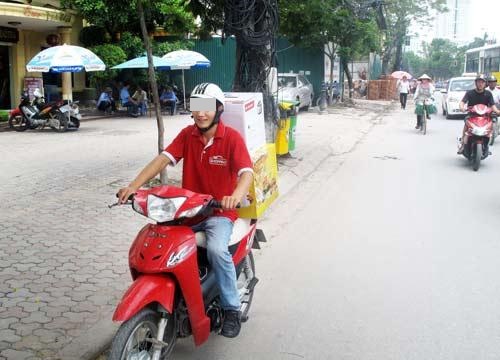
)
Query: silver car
[{"x": 295, "y": 87}]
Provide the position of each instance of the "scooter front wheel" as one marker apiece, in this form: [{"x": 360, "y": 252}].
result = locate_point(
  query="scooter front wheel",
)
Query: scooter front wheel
[
  {"x": 136, "y": 337},
  {"x": 18, "y": 123}
]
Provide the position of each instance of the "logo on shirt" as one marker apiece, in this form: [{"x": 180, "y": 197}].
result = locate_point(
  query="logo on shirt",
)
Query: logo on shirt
[{"x": 217, "y": 160}]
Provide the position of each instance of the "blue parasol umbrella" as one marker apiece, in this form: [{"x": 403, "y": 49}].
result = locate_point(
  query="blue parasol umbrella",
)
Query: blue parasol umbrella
[
  {"x": 142, "y": 63},
  {"x": 185, "y": 60},
  {"x": 65, "y": 58}
]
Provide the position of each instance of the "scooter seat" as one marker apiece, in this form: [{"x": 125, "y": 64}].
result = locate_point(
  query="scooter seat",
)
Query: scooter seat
[{"x": 240, "y": 229}]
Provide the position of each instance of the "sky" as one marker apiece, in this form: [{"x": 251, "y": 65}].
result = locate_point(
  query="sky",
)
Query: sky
[
  {"x": 479, "y": 22},
  {"x": 487, "y": 13}
]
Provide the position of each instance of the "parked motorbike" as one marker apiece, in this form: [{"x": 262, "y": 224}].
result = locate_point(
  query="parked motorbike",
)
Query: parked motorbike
[
  {"x": 479, "y": 127},
  {"x": 174, "y": 293},
  {"x": 37, "y": 114},
  {"x": 72, "y": 112}
]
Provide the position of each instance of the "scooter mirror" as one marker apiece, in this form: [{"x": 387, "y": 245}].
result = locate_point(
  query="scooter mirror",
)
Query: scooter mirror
[{"x": 37, "y": 93}]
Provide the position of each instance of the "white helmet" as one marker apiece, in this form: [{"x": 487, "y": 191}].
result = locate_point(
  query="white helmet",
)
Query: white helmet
[{"x": 208, "y": 91}]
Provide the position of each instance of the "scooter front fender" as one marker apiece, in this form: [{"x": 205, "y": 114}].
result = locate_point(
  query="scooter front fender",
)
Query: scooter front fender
[{"x": 146, "y": 289}]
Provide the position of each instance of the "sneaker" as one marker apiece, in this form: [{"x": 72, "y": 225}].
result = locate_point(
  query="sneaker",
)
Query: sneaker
[
  {"x": 417, "y": 127},
  {"x": 232, "y": 324}
]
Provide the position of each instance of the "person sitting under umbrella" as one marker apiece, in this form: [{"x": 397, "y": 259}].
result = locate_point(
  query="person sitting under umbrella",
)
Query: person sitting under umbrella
[
  {"x": 127, "y": 100},
  {"x": 168, "y": 98},
  {"x": 141, "y": 96},
  {"x": 106, "y": 102}
]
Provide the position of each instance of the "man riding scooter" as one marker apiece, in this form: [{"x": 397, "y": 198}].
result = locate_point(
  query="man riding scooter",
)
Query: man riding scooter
[
  {"x": 473, "y": 97},
  {"x": 215, "y": 162}
]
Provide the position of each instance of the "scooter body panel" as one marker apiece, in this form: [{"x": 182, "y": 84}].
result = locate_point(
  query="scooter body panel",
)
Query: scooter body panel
[
  {"x": 172, "y": 250},
  {"x": 145, "y": 290}
]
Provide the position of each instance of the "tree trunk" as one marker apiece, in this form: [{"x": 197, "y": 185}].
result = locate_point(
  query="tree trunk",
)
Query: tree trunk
[
  {"x": 252, "y": 67},
  {"x": 398, "y": 59},
  {"x": 153, "y": 84},
  {"x": 345, "y": 67},
  {"x": 386, "y": 58}
]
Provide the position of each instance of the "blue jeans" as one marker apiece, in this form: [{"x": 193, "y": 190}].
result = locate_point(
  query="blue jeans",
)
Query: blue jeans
[
  {"x": 143, "y": 108},
  {"x": 218, "y": 231}
]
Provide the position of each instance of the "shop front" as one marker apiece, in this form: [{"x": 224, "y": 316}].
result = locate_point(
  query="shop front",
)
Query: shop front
[{"x": 25, "y": 30}]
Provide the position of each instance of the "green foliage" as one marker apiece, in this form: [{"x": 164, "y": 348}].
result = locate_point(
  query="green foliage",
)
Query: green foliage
[
  {"x": 118, "y": 16},
  {"x": 177, "y": 17},
  {"x": 132, "y": 45},
  {"x": 111, "y": 55},
  {"x": 442, "y": 59},
  {"x": 4, "y": 115},
  {"x": 114, "y": 16},
  {"x": 162, "y": 48}
]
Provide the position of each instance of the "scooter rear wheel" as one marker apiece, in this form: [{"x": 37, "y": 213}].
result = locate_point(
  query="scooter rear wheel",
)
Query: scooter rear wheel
[
  {"x": 245, "y": 278},
  {"x": 133, "y": 338},
  {"x": 477, "y": 156}
]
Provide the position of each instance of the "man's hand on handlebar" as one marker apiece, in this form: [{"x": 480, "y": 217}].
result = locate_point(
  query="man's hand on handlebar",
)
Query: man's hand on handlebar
[
  {"x": 229, "y": 202},
  {"x": 125, "y": 193}
]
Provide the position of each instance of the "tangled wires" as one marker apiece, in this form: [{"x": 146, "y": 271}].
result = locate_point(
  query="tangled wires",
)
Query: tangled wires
[{"x": 254, "y": 24}]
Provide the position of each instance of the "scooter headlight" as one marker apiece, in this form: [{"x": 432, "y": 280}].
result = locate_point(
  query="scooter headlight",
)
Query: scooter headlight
[{"x": 163, "y": 209}]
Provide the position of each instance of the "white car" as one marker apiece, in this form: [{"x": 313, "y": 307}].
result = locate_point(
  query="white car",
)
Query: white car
[
  {"x": 454, "y": 93},
  {"x": 295, "y": 87}
]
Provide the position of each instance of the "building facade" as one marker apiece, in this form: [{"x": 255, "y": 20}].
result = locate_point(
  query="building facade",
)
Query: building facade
[{"x": 26, "y": 28}]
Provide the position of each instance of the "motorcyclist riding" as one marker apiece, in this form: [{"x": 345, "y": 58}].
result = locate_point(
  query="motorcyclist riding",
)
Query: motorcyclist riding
[
  {"x": 425, "y": 90},
  {"x": 215, "y": 162},
  {"x": 474, "y": 97}
]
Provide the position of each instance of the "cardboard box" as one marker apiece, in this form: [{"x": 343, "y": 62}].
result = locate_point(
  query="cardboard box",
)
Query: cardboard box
[
  {"x": 245, "y": 113},
  {"x": 264, "y": 189}
]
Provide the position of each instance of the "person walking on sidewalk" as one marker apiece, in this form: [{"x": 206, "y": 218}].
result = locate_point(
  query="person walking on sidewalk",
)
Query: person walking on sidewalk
[
  {"x": 216, "y": 162},
  {"x": 424, "y": 91},
  {"x": 403, "y": 88}
]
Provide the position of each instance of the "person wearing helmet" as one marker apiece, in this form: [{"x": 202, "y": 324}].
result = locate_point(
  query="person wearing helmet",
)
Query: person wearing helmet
[
  {"x": 492, "y": 87},
  {"x": 478, "y": 95},
  {"x": 424, "y": 91},
  {"x": 216, "y": 162}
]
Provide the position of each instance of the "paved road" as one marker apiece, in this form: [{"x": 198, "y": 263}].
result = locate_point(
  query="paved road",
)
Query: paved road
[
  {"x": 63, "y": 253},
  {"x": 390, "y": 254}
]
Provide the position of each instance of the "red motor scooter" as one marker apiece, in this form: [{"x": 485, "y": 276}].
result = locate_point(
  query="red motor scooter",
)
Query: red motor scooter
[
  {"x": 479, "y": 127},
  {"x": 174, "y": 293}
]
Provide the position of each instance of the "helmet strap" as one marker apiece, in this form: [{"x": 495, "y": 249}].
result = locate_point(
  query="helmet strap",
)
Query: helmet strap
[{"x": 214, "y": 122}]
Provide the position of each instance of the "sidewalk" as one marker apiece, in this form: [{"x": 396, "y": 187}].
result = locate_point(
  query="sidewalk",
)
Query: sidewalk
[{"x": 63, "y": 254}]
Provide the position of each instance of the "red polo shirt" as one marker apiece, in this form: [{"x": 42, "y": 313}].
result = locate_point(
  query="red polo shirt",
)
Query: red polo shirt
[{"x": 212, "y": 168}]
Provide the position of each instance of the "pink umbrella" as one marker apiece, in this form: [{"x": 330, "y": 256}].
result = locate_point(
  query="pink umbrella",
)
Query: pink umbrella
[{"x": 400, "y": 74}]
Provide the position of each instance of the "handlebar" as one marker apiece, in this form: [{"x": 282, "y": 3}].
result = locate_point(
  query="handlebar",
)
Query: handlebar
[
  {"x": 128, "y": 202},
  {"x": 213, "y": 203}
]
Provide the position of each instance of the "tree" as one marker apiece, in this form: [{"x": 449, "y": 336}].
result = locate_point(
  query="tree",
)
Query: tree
[
  {"x": 346, "y": 28},
  {"x": 399, "y": 15},
  {"x": 254, "y": 25},
  {"x": 118, "y": 16},
  {"x": 443, "y": 59}
]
